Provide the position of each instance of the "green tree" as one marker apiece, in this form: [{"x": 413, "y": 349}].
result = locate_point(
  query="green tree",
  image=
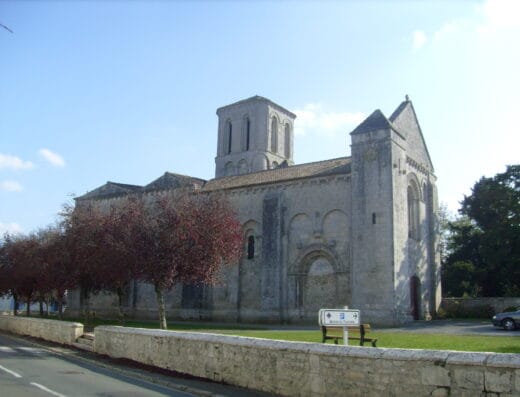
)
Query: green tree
[{"x": 486, "y": 239}]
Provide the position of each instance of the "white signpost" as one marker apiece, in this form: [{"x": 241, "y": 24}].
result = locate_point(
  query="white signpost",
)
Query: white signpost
[{"x": 339, "y": 318}]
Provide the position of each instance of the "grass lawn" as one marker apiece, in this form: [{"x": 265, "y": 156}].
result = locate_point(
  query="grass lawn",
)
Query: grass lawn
[
  {"x": 405, "y": 340},
  {"x": 496, "y": 344}
]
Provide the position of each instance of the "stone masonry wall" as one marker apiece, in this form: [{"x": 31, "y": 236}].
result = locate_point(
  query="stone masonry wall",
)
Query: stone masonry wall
[
  {"x": 470, "y": 304},
  {"x": 310, "y": 369},
  {"x": 51, "y": 330}
]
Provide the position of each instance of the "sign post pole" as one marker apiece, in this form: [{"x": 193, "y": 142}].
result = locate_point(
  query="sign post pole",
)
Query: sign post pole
[{"x": 345, "y": 331}]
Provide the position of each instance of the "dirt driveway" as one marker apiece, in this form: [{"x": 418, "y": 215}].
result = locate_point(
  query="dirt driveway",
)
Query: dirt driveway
[{"x": 463, "y": 327}]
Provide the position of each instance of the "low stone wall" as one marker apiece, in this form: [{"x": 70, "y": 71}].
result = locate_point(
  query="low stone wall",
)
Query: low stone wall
[
  {"x": 478, "y": 305},
  {"x": 52, "y": 330},
  {"x": 311, "y": 369}
]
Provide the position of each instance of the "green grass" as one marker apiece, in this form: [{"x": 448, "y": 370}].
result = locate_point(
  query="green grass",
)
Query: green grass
[
  {"x": 496, "y": 344},
  {"x": 404, "y": 340}
]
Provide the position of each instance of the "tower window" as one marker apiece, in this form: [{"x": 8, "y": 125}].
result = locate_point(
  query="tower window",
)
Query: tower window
[
  {"x": 274, "y": 135},
  {"x": 250, "y": 247},
  {"x": 230, "y": 136},
  {"x": 287, "y": 141},
  {"x": 413, "y": 211},
  {"x": 248, "y": 131}
]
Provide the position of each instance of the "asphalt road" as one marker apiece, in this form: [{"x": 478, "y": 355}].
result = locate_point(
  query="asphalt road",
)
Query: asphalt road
[
  {"x": 453, "y": 327},
  {"x": 31, "y": 371},
  {"x": 34, "y": 369}
]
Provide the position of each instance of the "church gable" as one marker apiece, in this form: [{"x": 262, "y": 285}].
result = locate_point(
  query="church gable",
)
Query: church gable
[
  {"x": 173, "y": 181},
  {"x": 405, "y": 121},
  {"x": 110, "y": 189}
]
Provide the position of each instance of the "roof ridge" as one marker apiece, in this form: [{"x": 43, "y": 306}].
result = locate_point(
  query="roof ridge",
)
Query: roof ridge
[
  {"x": 283, "y": 168},
  {"x": 181, "y": 175},
  {"x": 306, "y": 170},
  {"x": 122, "y": 184}
]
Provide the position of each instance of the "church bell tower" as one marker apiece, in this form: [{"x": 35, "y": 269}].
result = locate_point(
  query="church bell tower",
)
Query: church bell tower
[{"x": 254, "y": 135}]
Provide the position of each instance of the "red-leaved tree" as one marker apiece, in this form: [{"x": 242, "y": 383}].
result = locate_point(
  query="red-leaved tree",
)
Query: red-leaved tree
[
  {"x": 24, "y": 267},
  {"x": 122, "y": 226},
  {"x": 186, "y": 240},
  {"x": 84, "y": 229},
  {"x": 62, "y": 273}
]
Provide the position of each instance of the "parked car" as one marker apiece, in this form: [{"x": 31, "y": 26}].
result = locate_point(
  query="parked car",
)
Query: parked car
[{"x": 508, "y": 320}]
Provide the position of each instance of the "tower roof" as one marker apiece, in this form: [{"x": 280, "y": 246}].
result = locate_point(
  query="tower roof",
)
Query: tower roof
[
  {"x": 376, "y": 121},
  {"x": 257, "y": 98}
]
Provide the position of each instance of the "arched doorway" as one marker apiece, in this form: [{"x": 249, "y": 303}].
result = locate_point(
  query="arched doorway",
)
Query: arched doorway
[{"x": 320, "y": 285}]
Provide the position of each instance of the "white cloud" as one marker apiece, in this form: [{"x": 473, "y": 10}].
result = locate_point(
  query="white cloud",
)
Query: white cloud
[
  {"x": 491, "y": 16},
  {"x": 11, "y": 186},
  {"x": 313, "y": 118},
  {"x": 10, "y": 228},
  {"x": 13, "y": 162},
  {"x": 419, "y": 39},
  {"x": 53, "y": 158},
  {"x": 447, "y": 29},
  {"x": 501, "y": 14}
]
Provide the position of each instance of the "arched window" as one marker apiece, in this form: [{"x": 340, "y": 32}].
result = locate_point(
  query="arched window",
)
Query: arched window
[
  {"x": 275, "y": 165},
  {"x": 248, "y": 134},
  {"x": 229, "y": 130},
  {"x": 250, "y": 247},
  {"x": 413, "y": 211},
  {"x": 425, "y": 192},
  {"x": 274, "y": 135},
  {"x": 287, "y": 141}
]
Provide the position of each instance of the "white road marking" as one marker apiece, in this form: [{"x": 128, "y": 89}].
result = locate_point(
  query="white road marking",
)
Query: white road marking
[
  {"x": 10, "y": 372},
  {"x": 31, "y": 350},
  {"x": 41, "y": 387},
  {"x": 7, "y": 349}
]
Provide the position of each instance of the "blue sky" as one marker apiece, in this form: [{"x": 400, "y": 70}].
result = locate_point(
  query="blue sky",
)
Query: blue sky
[{"x": 124, "y": 91}]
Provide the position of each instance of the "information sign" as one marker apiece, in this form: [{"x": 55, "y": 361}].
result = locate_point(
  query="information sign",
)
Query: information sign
[{"x": 339, "y": 317}]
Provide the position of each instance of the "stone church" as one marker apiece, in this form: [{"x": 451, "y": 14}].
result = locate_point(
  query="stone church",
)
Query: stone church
[{"x": 356, "y": 231}]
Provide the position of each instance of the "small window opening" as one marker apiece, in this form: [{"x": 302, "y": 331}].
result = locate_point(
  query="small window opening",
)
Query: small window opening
[
  {"x": 250, "y": 247},
  {"x": 287, "y": 143},
  {"x": 373, "y": 218},
  {"x": 274, "y": 135},
  {"x": 248, "y": 129},
  {"x": 230, "y": 135}
]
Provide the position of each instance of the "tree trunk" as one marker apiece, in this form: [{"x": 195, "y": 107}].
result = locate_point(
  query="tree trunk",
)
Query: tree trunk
[
  {"x": 60, "y": 308},
  {"x": 121, "y": 313},
  {"x": 40, "y": 303},
  {"x": 86, "y": 306},
  {"x": 160, "y": 304},
  {"x": 16, "y": 305},
  {"x": 28, "y": 307}
]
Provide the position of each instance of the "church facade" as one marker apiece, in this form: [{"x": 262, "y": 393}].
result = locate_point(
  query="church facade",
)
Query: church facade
[{"x": 356, "y": 231}]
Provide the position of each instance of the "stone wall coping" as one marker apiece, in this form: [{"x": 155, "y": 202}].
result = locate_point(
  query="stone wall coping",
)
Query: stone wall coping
[
  {"x": 504, "y": 360},
  {"x": 468, "y": 358},
  {"x": 43, "y": 320},
  {"x": 441, "y": 357}
]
